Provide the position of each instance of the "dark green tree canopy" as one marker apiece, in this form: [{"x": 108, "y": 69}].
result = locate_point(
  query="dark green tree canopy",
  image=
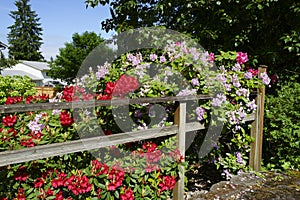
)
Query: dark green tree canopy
[
  {"x": 268, "y": 30},
  {"x": 72, "y": 56},
  {"x": 25, "y": 34}
]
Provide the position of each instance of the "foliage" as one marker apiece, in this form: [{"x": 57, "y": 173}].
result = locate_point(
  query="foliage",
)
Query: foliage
[
  {"x": 15, "y": 86},
  {"x": 267, "y": 30},
  {"x": 177, "y": 70},
  {"x": 6, "y": 62},
  {"x": 180, "y": 69},
  {"x": 282, "y": 126},
  {"x": 113, "y": 174},
  {"x": 72, "y": 56},
  {"x": 25, "y": 34}
]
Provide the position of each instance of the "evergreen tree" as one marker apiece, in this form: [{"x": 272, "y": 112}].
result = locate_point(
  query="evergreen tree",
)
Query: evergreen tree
[{"x": 25, "y": 34}]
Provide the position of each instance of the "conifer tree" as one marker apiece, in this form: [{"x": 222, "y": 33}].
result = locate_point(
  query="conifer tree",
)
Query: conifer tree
[{"x": 25, "y": 34}]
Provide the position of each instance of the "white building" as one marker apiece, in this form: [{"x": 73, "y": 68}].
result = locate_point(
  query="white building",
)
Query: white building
[{"x": 37, "y": 71}]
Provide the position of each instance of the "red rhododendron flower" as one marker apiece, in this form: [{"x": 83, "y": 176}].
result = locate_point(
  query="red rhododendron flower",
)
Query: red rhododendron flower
[
  {"x": 39, "y": 182},
  {"x": 9, "y": 120},
  {"x": 167, "y": 183},
  {"x": 68, "y": 93},
  {"x": 127, "y": 195},
  {"x": 60, "y": 181},
  {"x": 49, "y": 192},
  {"x": 99, "y": 168},
  {"x": 149, "y": 146},
  {"x": 27, "y": 142},
  {"x": 13, "y": 100},
  {"x": 106, "y": 97},
  {"x": 78, "y": 184},
  {"x": 21, "y": 195},
  {"x": 153, "y": 157},
  {"x": 29, "y": 99},
  {"x": 65, "y": 118},
  {"x": 125, "y": 84},
  {"x": 176, "y": 155},
  {"x": 59, "y": 196},
  {"x": 109, "y": 88},
  {"x": 107, "y": 132},
  {"x": 87, "y": 96},
  {"x": 21, "y": 175},
  {"x": 150, "y": 168},
  {"x": 116, "y": 176}
]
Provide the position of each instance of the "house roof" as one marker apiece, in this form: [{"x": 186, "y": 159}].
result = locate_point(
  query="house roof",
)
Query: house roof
[
  {"x": 12, "y": 72},
  {"x": 37, "y": 65}
]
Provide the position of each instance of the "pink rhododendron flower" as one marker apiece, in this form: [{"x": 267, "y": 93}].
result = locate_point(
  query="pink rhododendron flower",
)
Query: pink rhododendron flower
[{"x": 241, "y": 57}]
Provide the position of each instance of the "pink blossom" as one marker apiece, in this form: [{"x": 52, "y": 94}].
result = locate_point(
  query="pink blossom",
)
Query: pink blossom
[{"x": 241, "y": 57}]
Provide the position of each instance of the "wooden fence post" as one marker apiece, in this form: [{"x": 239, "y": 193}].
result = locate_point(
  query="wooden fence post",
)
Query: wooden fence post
[
  {"x": 180, "y": 120},
  {"x": 257, "y": 127}
]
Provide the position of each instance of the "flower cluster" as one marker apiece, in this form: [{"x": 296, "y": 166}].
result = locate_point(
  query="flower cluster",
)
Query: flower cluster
[
  {"x": 65, "y": 118},
  {"x": 123, "y": 86},
  {"x": 9, "y": 120},
  {"x": 167, "y": 183},
  {"x": 76, "y": 93}
]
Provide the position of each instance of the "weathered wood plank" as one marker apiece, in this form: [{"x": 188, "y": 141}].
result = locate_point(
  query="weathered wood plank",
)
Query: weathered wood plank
[
  {"x": 257, "y": 128},
  {"x": 180, "y": 120},
  {"x": 56, "y": 149},
  {"x": 44, "y": 151},
  {"x": 94, "y": 103}
]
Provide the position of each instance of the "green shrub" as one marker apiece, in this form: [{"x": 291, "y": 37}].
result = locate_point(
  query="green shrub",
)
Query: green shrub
[
  {"x": 282, "y": 127},
  {"x": 15, "y": 86}
]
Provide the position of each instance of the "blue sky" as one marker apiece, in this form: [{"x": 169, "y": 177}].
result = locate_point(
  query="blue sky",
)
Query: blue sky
[{"x": 60, "y": 19}]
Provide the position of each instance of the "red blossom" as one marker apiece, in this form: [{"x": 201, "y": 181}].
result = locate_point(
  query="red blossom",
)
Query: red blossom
[
  {"x": 13, "y": 132},
  {"x": 9, "y": 120},
  {"x": 125, "y": 84},
  {"x": 109, "y": 88},
  {"x": 65, "y": 118},
  {"x": 13, "y": 100},
  {"x": 21, "y": 195},
  {"x": 27, "y": 142},
  {"x": 153, "y": 157},
  {"x": 107, "y": 132},
  {"x": 150, "y": 168},
  {"x": 105, "y": 97},
  {"x": 49, "y": 192},
  {"x": 99, "y": 193},
  {"x": 127, "y": 195},
  {"x": 68, "y": 93},
  {"x": 87, "y": 96},
  {"x": 78, "y": 184},
  {"x": 59, "y": 196},
  {"x": 39, "y": 182},
  {"x": 37, "y": 135},
  {"x": 60, "y": 181},
  {"x": 149, "y": 146},
  {"x": 21, "y": 175},
  {"x": 116, "y": 177},
  {"x": 29, "y": 99},
  {"x": 176, "y": 155},
  {"x": 99, "y": 168},
  {"x": 167, "y": 183}
]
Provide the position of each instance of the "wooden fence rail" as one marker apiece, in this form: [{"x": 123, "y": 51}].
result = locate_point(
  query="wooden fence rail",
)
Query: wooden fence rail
[{"x": 180, "y": 128}]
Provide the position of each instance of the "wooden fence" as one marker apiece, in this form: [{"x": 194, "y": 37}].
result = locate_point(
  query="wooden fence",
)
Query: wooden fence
[
  {"x": 50, "y": 91},
  {"x": 180, "y": 128}
]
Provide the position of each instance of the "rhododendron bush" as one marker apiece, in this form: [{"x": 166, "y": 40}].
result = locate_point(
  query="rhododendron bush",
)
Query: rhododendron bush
[{"x": 143, "y": 169}]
